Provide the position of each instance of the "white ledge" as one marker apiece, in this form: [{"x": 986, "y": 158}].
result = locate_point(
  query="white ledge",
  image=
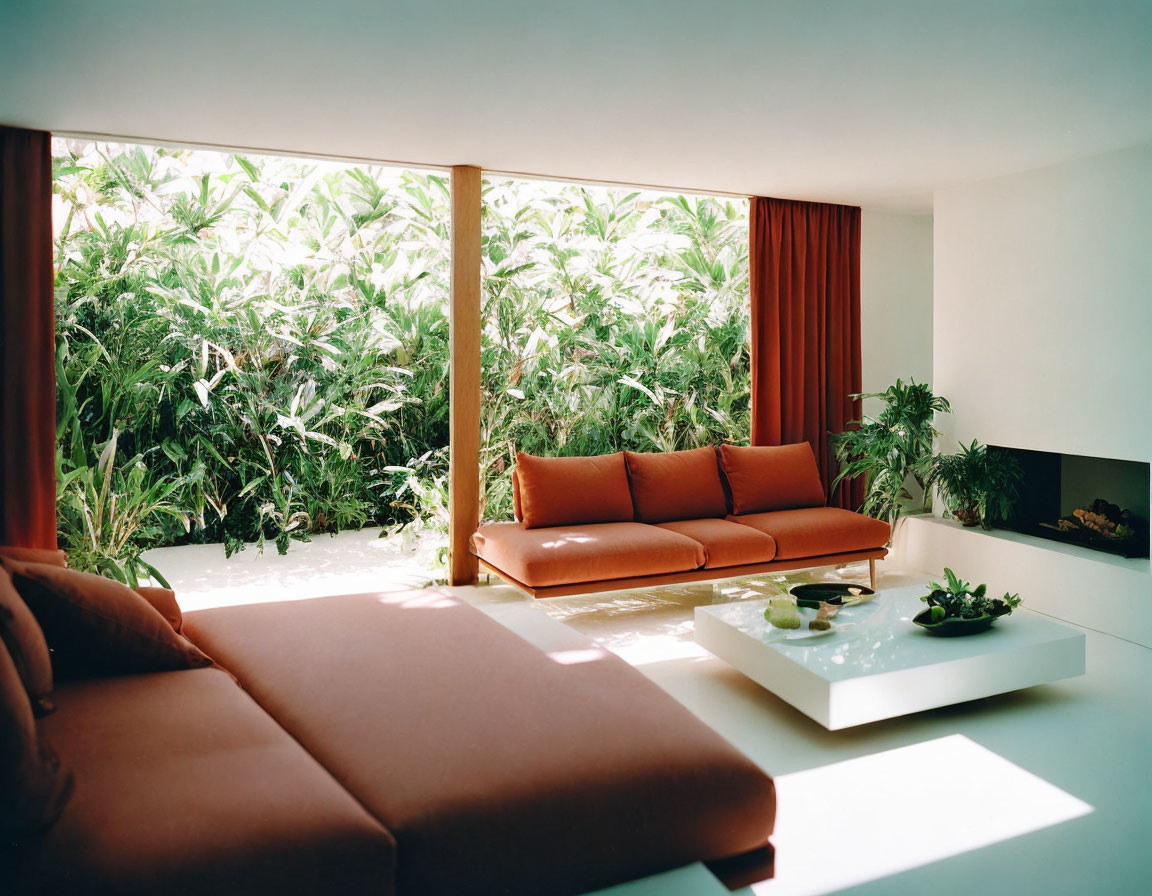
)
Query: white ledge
[
  {"x": 1134, "y": 564},
  {"x": 1100, "y": 591}
]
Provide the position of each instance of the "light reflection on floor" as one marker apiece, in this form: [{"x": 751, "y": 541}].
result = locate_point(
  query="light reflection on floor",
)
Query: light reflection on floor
[
  {"x": 842, "y": 822},
  {"x": 656, "y": 625},
  {"x": 877, "y": 815}
]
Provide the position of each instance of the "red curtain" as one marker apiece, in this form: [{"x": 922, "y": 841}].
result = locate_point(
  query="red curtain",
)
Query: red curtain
[
  {"x": 27, "y": 341},
  {"x": 805, "y": 285}
]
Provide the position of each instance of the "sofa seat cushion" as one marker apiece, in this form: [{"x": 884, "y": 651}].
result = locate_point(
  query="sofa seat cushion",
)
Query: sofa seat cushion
[
  {"x": 814, "y": 531},
  {"x": 560, "y": 555},
  {"x": 498, "y": 767},
  {"x": 184, "y": 785},
  {"x": 726, "y": 543}
]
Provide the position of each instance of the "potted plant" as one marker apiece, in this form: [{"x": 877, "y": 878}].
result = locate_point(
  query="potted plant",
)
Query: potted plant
[
  {"x": 976, "y": 485},
  {"x": 891, "y": 448},
  {"x": 956, "y": 608}
]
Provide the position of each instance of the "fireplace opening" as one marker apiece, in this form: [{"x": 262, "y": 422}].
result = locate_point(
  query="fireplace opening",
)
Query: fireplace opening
[{"x": 1095, "y": 502}]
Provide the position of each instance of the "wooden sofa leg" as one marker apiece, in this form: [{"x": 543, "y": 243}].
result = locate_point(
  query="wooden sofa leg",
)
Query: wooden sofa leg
[{"x": 872, "y": 574}]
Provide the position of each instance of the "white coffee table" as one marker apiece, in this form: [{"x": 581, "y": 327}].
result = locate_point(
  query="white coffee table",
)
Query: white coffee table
[{"x": 876, "y": 664}]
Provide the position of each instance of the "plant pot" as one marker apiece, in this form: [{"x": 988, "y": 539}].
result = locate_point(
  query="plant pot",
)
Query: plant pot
[
  {"x": 952, "y": 626},
  {"x": 969, "y": 516}
]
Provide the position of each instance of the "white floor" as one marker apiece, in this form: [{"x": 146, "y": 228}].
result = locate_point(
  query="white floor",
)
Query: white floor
[
  {"x": 1040, "y": 791},
  {"x": 1047, "y": 790}
]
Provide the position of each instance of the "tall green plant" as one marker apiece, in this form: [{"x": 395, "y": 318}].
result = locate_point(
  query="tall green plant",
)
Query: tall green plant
[
  {"x": 891, "y": 448},
  {"x": 976, "y": 484},
  {"x": 108, "y": 513}
]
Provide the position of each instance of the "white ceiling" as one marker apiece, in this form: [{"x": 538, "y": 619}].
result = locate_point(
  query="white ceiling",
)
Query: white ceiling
[{"x": 873, "y": 102}]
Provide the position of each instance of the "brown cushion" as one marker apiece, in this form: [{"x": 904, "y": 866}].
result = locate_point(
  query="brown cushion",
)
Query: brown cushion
[
  {"x": 51, "y": 556},
  {"x": 33, "y": 787},
  {"x": 499, "y": 768},
  {"x": 517, "y": 510},
  {"x": 726, "y": 543},
  {"x": 572, "y": 491},
  {"x": 21, "y": 634},
  {"x": 561, "y": 555},
  {"x": 97, "y": 626},
  {"x": 776, "y": 477},
  {"x": 815, "y": 531},
  {"x": 676, "y": 485},
  {"x": 185, "y": 786},
  {"x": 163, "y": 601}
]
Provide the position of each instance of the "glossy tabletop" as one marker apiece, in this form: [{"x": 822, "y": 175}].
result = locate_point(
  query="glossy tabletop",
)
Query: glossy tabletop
[{"x": 875, "y": 663}]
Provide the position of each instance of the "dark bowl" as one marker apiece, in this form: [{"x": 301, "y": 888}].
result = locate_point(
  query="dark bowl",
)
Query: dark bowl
[
  {"x": 812, "y": 595},
  {"x": 953, "y": 625}
]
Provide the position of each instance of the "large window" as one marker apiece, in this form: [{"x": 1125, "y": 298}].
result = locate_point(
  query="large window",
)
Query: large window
[
  {"x": 613, "y": 319},
  {"x": 256, "y": 348},
  {"x": 248, "y": 347}
]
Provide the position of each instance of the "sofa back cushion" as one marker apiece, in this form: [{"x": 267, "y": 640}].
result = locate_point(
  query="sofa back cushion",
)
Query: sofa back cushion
[
  {"x": 676, "y": 485},
  {"x": 51, "y": 556},
  {"x": 163, "y": 601},
  {"x": 569, "y": 491},
  {"x": 778, "y": 477},
  {"x": 23, "y": 638},
  {"x": 33, "y": 787},
  {"x": 96, "y": 626},
  {"x": 517, "y": 510}
]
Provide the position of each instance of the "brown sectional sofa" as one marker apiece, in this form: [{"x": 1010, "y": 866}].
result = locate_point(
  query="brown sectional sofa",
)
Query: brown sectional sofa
[
  {"x": 628, "y": 520},
  {"x": 383, "y": 745},
  {"x": 497, "y": 767},
  {"x": 183, "y": 784}
]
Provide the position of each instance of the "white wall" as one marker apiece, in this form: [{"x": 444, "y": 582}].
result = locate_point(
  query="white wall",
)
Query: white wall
[
  {"x": 1043, "y": 307},
  {"x": 895, "y": 300},
  {"x": 1043, "y": 340}
]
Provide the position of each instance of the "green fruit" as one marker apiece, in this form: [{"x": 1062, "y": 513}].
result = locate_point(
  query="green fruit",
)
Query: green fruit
[
  {"x": 819, "y": 625},
  {"x": 783, "y": 618},
  {"x": 937, "y": 614}
]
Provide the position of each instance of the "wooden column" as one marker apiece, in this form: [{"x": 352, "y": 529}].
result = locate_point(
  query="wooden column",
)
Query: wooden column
[{"x": 464, "y": 376}]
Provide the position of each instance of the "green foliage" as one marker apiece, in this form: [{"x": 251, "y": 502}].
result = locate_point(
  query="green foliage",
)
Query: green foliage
[
  {"x": 956, "y": 598},
  {"x": 249, "y": 324},
  {"x": 889, "y": 449},
  {"x": 264, "y": 342},
  {"x": 612, "y": 321},
  {"x": 107, "y": 511},
  {"x": 976, "y": 485}
]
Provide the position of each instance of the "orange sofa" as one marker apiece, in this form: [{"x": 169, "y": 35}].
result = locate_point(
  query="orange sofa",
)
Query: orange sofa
[
  {"x": 628, "y": 520},
  {"x": 364, "y": 745}
]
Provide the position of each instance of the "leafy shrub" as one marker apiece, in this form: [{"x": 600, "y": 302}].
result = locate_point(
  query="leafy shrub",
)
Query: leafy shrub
[
  {"x": 613, "y": 321},
  {"x": 246, "y": 327},
  {"x": 891, "y": 448},
  {"x": 259, "y": 345}
]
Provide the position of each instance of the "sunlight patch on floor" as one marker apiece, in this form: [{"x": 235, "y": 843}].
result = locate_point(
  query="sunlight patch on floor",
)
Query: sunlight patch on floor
[
  {"x": 693, "y": 880},
  {"x": 353, "y": 562},
  {"x": 863, "y": 819}
]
